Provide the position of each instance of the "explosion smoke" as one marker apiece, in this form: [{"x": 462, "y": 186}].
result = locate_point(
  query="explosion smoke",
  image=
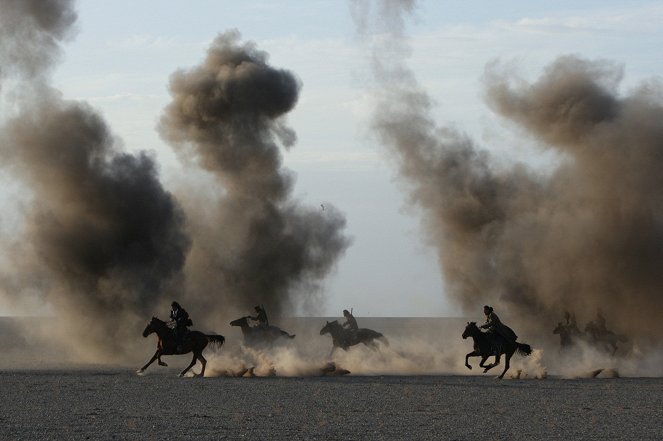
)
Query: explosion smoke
[
  {"x": 105, "y": 242},
  {"x": 588, "y": 235},
  {"x": 100, "y": 221},
  {"x": 258, "y": 246}
]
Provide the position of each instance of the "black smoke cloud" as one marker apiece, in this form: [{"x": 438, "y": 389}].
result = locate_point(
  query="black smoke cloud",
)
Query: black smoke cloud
[
  {"x": 105, "y": 244},
  {"x": 586, "y": 235},
  {"x": 254, "y": 244},
  {"x": 106, "y": 239}
]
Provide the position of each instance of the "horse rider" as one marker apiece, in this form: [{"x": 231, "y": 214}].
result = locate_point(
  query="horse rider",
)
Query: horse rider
[
  {"x": 181, "y": 320},
  {"x": 261, "y": 317},
  {"x": 494, "y": 324},
  {"x": 350, "y": 321},
  {"x": 571, "y": 324},
  {"x": 601, "y": 328}
]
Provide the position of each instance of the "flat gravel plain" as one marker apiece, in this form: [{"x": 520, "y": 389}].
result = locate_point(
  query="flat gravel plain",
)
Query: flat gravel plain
[{"x": 116, "y": 404}]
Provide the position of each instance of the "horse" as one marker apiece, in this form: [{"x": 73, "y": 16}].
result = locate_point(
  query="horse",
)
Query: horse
[
  {"x": 488, "y": 343},
  {"x": 604, "y": 339},
  {"x": 567, "y": 335},
  {"x": 344, "y": 338},
  {"x": 194, "y": 341},
  {"x": 256, "y": 335}
]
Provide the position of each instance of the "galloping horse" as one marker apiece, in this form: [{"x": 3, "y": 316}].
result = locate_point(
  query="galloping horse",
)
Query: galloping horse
[
  {"x": 566, "y": 335},
  {"x": 344, "y": 338},
  {"x": 602, "y": 338},
  {"x": 195, "y": 342},
  {"x": 488, "y": 343},
  {"x": 256, "y": 335}
]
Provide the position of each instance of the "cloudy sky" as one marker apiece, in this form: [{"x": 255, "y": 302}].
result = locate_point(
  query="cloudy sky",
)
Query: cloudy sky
[{"x": 122, "y": 56}]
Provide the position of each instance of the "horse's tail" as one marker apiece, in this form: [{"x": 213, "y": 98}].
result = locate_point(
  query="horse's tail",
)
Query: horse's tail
[
  {"x": 524, "y": 349},
  {"x": 216, "y": 339}
]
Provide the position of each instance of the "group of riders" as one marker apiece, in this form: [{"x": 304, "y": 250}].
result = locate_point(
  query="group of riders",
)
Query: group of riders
[{"x": 180, "y": 322}]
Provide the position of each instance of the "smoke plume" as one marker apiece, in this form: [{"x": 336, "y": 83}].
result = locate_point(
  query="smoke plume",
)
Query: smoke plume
[
  {"x": 253, "y": 244},
  {"x": 104, "y": 236},
  {"x": 586, "y": 235},
  {"x": 31, "y": 32}
]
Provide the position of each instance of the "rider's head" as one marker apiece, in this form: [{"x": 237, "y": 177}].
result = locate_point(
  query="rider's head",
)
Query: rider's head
[
  {"x": 346, "y": 312},
  {"x": 257, "y": 308},
  {"x": 487, "y": 309},
  {"x": 175, "y": 305}
]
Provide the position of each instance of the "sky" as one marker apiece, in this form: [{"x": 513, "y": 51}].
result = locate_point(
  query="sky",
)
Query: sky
[{"x": 122, "y": 56}]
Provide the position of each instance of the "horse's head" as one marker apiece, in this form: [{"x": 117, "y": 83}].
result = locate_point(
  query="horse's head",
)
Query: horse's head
[
  {"x": 151, "y": 326},
  {"x": 328, "y": 327},
  {"x": 470, "y": 330},
  {"x": 241, "y": 322}
]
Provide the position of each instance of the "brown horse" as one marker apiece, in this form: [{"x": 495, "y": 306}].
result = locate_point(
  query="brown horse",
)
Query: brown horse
[
  {"x": 488, "y": 343},
  {"x": 194, "y": 341}
]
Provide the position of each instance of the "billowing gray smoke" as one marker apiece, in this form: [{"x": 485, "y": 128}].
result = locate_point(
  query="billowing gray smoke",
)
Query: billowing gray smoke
[
  {"x": 587, "y": 235},
  {"x": 253, "y": 244},
  {"x": 30, "y": 32},
  {"x": 109, "y": 236}
]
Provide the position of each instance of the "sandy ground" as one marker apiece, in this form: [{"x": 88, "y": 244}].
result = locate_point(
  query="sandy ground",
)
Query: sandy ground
[{"x": 117, "y": 404}]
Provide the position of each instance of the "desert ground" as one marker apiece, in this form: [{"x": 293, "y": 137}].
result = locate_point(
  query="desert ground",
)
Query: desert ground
[{"x": 110, "y": 404}]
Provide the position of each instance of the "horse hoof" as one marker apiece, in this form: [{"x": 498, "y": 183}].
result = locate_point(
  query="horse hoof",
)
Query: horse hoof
[
  {"x": 139, "y": 372},
  {"x": 163, "y": 363},
  {"x": 468, "y": 366}
]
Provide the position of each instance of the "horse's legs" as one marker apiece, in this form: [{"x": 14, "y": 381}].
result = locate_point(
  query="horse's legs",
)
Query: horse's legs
[
  {"x": 483, "y": 360},
  {"x": 204, "y": 363},
  {"x": 193, "y": 361},
  {"x": 332, "y": 351},
  {"x": 490, "y": 366},
  {"x": 156, "y": 355},
  {"x": 472, "y": 354},
  {"x": 507, "y": 358},
  {"x": 161, "y": 363}
]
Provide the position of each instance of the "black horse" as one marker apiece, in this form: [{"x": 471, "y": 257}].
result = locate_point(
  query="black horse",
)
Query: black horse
[
  {"x": 344, "y": 338},
  {"x": 489, "y": 343},
  {"x": 195, "y": 342},
  {"x": 256, "y": 335}
]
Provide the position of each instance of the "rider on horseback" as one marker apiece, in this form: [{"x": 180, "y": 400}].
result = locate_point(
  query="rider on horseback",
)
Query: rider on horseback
[
  {"x": 261, "y": 317},
  {"x": 494, "y": 324},
  {"x": 181, "y": 320},
  {"x": 350, "y": 321}
]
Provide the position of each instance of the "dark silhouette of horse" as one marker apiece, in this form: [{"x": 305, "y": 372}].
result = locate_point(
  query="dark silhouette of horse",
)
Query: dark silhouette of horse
[
  {"x": 489, "y": 343},
  {"x": 568, "y": 335},
  {"x": 194, "y": 341},
  {"x": 257, "y": 335},
  {"x": 344, "y": 338},
  {"x": 603, "y": 338}
]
